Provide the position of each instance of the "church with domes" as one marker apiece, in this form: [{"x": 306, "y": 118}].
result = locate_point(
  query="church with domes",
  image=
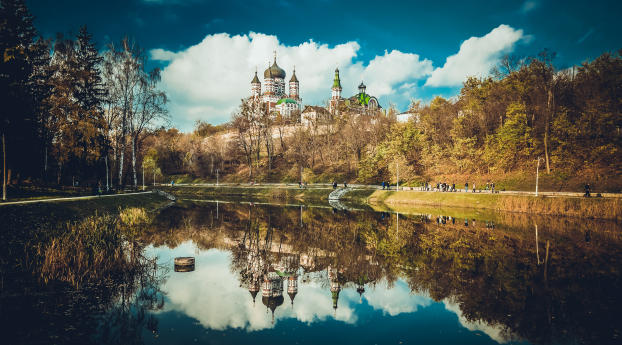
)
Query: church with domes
[
  {"x": 362, "y": 102},
  {"x": 273, "y": 94}
]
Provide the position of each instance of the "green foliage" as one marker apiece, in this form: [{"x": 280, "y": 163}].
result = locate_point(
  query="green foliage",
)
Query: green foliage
[{"x": 513, "y": 142}]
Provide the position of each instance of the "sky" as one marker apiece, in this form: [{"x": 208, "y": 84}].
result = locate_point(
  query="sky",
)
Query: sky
[{"x": 402, "y": 50}]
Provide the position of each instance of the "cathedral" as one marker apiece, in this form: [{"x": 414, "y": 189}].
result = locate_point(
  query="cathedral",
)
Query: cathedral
[
  {"x": 362, "y": 102},
  {"x": 274, "y": 95}
]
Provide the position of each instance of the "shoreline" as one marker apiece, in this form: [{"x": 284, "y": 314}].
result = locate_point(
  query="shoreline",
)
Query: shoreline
[{"x": 609, "y": 208}]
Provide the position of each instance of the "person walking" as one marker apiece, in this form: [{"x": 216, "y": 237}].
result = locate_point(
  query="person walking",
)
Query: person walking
[
  {"x": 466, "y": 187},
  {"x": 334, "y": 184},
  {"x": 492, "y": 187},
  {"x": 473, "y": 187},
  {"x": 587, "y": 190},
  {"x": 382, "y": 185}
]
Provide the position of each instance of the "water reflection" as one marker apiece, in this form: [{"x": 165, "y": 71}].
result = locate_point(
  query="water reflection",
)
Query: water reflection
[
  {"x": 334, "y": 265},
  {"x": 317, "y": 275}
]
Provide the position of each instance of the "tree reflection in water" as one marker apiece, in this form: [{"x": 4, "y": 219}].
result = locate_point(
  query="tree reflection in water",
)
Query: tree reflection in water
[
  {"x": 541, "y": 279},
  {"x": 547, "y": 285}
]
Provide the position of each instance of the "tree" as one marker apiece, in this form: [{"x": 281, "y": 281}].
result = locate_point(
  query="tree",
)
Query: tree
[
  {"x": 89, "y": 94},
  {"x": 18, "y": 125},
  {"x": 151, "y": 107},
  {"x": 123, "y": 78},
  {"x": 246, "y": 123}
]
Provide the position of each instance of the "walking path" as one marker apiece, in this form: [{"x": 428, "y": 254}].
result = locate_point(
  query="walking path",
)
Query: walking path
[
  {"x": 69, "y": 198},
  {"x": 363, "y": 186}
]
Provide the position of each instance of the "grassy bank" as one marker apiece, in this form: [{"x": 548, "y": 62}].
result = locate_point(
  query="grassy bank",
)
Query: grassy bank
[
  {"x": 37, "y": 214},
  {"x": 601, "y": 208},
  {"x": 248, "y": 193}
]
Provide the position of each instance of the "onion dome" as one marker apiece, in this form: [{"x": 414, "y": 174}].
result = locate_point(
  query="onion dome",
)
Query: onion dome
[
  {"x": 360, "y": 289},
  {"x": 362, "y": 86},
  {"x": 274, "y": 71},
  {"x": 253, "y": 294},
  {"x": 335, "y": 297},
  {"x": 255, "y": 79},
  {"x": 292, "y": 295},
  {"x": 294, "y": 79},
  {"x": 272, "y": 303},
  {"x": 336, "y": 81}
]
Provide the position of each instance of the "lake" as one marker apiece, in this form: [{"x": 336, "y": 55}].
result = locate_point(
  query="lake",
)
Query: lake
[{"x": 304, "y": 274}]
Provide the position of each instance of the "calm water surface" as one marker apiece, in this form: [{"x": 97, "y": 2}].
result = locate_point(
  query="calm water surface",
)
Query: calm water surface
[{"x": 308, "y": 275}]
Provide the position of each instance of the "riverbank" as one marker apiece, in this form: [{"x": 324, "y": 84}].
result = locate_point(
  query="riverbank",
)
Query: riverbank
[
  {"x": 557, "y": 205},
  {"x": 274, "y": 193},
  {"x": 598, "y": 208},
  {"x": 34, "y": 215}
]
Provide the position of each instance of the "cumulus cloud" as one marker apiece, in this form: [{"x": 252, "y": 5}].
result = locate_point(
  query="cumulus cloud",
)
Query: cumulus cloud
[
  {"x": 206, "y": 81},
  {"x": 399, "y": 300},
  {"x": 161, "y": 55},
  {"x": 499, "y": 333},
  {"x": 476, "y": 56}
]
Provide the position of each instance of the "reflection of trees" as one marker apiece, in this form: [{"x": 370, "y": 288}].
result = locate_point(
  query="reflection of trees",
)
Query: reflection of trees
[
  {"x": 101, "y": 294},
  {"x": 128, "y": 314},
  {"x": 491, "y": 272}
]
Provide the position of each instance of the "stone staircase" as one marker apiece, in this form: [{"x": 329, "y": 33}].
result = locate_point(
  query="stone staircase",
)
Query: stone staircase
[{"x": 338, "y": 193}]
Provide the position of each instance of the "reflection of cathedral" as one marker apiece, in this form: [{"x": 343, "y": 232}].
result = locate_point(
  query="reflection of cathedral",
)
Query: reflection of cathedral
[
  {"x": 273, "y": 95},
  {"x": 270, "y": 277}
]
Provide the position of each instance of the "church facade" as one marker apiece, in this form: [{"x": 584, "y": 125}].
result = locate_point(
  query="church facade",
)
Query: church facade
[
  {"x": 361, "y": 103},
  {"x": 274, "y": 95}
]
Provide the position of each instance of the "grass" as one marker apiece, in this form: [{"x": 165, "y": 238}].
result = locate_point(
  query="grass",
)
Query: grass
[
  {"x": 250, "y": 193},
  {"x": 601, "y": 208},
  {"x": 97, "y": 247},
  {"x": 38, "y": 214}
]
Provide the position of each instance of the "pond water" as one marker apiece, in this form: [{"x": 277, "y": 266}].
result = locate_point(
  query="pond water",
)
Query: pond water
[{"x": 307, "y": 275}]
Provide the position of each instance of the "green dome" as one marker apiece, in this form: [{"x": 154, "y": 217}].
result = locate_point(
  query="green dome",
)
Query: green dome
[
  {"x": 286, "y": 100},
  {"x": 336, "y": 81}
]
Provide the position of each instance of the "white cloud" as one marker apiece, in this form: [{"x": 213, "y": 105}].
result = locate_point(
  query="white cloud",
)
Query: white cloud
[
  {"x": 207, "y": 80},
  {"x": 393, "y": 69},
  {"x": 161, "y": 55},
  {"x": 400, "y": 299},
  {"x": 476, "y": 56},
  {"x": 528, "y": 6},
  {"x": 497, "y": 332}
]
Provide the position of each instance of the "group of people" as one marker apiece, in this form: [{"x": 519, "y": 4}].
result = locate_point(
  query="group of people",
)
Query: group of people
[
  {"x": 345, "y": 184},
  {"x": 446, "y": 187}
]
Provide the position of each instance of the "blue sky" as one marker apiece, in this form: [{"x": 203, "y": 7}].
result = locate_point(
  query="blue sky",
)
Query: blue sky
[{"x": 402, "y": 50}]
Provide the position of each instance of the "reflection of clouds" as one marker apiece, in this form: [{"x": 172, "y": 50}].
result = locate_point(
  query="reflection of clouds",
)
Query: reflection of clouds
[
  {"x": 212, "y": 295},
  {"x": 396, "y": 301},
  {"x": 498, "y": 333}
]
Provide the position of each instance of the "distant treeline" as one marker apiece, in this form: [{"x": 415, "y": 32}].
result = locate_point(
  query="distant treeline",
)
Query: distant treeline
[{"x": 70, "y": 114}]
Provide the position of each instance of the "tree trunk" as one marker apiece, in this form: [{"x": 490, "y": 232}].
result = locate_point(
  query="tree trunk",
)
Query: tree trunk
[
  {"x": 3, "y": 168},
  {"x": 547, "y": 119},
  {"x": 107, "y": 171},
  {"x": 120, "y": 182},
  {"x": 134, "y": 162}
]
